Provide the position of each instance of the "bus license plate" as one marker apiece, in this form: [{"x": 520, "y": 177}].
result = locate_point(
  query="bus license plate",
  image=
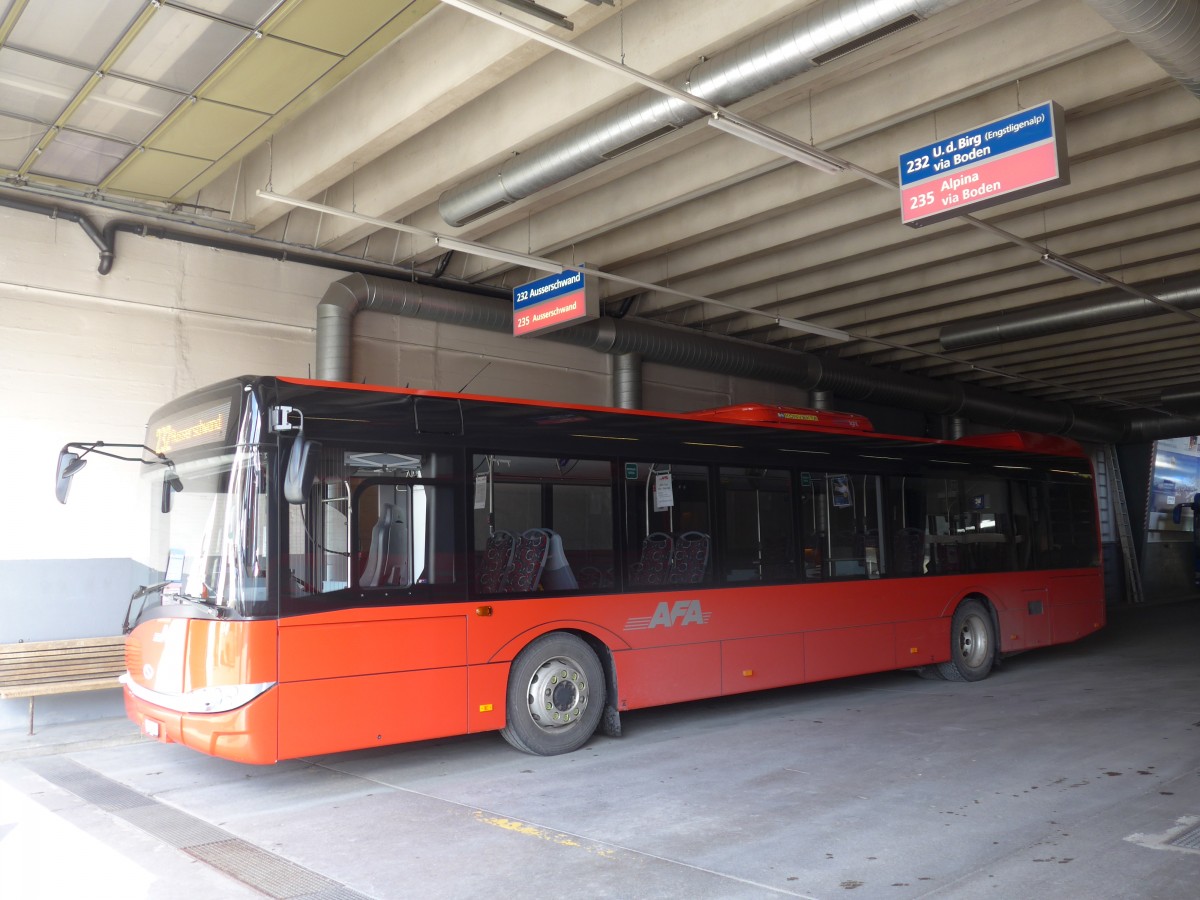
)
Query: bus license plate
[{"x": 150, "y": 727}]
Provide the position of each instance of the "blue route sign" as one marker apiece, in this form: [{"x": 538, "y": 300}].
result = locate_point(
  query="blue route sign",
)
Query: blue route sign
[
  {"x": 1030, "y": 126},
  {"x": 1009, "y": 158}
]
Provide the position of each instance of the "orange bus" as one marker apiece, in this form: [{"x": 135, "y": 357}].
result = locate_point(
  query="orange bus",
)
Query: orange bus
[{"x": 347, "y": 566}]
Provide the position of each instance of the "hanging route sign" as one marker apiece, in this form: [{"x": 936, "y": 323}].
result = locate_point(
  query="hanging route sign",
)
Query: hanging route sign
[
  {"x": 554, "y": 302},
  {"x": 1012, "y": 157}
]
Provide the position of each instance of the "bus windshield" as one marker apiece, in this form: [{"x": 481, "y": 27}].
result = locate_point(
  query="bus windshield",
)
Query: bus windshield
[{"x": 213, "y": 541}]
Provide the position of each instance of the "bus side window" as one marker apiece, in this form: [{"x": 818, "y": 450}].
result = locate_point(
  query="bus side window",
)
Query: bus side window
[
  {"x": 542, "y": 524},
  {"x": 668, "y": 530},
  {"x": 404, "y": 534},
  {"x": 377, "y": 520},
  {"x": 757, "y": 535},
  {"x": 848, "y": 510},
  {"x": 906, "y": 524},
  {"x": 318, "y": 533}
]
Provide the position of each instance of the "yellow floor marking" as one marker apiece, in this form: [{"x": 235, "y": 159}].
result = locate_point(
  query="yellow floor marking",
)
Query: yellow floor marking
[{"x": 554, "y": 837}]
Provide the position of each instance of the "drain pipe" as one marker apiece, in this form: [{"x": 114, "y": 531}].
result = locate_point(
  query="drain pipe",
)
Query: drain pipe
[{"x": 101, "y": 240}]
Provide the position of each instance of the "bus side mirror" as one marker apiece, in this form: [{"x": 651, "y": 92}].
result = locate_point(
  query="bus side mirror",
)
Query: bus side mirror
[
  {"x": 68, "y": 464},
  {"x": 171, "y": 484},
  {"x": 301, "y": 469}
]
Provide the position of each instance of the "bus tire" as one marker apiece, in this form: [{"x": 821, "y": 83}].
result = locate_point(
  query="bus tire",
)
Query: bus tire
[
  {"x": 556, "y": 695},
  {"x": 972, "y": 644}
]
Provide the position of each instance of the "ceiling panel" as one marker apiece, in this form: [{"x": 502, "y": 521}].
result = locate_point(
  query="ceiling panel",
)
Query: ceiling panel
[
  {"x": 75, "y": 156},
  {"x": 208, "y": 129},
  {"x": 334, "y": 25},
  {"x": 18, "y": 138},
  {"x": 689, "y": 213},
  {"x": 270, "y": 75},
  {"x": 154, "y": 173},
  {"x": 81, "y": 31},
  {"x": 250, "y": 13},
  {"x": 124, "y": 109},
  {"x": 178, "y": 49},
  {"x": 37, "y": 88}
]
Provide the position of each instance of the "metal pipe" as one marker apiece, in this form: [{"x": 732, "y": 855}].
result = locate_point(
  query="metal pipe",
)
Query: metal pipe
[
  {"x": 686, "y": 348},
  {"x": 627, "y": 381},
  {"x": 98, "y": 238},
  {"x": 1167, "y": 31},
  {"x": 818, "y": 34},
  {"x": 1100, "y": 308}
]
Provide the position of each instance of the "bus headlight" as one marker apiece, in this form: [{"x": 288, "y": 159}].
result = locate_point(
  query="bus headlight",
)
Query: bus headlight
[
  {"x": 222, "y": 698},
  {"x": 215, "y": 699}
]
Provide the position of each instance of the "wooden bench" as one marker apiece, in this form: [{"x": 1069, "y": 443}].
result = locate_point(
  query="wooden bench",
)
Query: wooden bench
[{"x": 37, "y": 668}]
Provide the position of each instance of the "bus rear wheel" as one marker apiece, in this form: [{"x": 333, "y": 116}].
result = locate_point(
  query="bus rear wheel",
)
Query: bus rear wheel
[
  {"x": 556, "y": 695},
  {"x": 972, "y": 644}
]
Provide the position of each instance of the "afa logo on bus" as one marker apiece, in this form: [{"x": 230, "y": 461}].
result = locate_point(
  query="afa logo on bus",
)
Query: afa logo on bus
[{"x": 681, "y": 612}]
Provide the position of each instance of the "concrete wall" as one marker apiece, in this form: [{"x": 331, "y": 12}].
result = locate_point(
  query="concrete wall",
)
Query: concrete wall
[{"x": 88, "y": 357}]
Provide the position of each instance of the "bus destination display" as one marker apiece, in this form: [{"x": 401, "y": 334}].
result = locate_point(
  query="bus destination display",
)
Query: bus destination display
[
  {"x": 1003, "y": 160},
  {"x": 554, "y": 302}
]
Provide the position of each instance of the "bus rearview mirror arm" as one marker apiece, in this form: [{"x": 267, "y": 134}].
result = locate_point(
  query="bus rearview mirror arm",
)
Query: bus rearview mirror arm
[{"x": 70, "y": 463}]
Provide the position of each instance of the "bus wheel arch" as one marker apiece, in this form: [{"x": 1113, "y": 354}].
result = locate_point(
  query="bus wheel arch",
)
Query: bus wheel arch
[
  {"x": 974, "y": 640},
  {"x": 557, "y": 693}
]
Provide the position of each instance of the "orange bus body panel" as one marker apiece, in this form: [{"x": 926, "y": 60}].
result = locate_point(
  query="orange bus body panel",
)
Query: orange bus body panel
[
  {"x": 360, "y": 678},
  {"x": 336, "y": 714},
  {"x": 342, "y": 644},
  {"x": 357, "y": 678},
  {"x": 753, "y": 664},
  {"x": 173, "y": 656}
]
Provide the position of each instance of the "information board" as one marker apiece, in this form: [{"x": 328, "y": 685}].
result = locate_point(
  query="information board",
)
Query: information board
[
  {"x": 1012, "y": 157},
  {"x": 554, "y": 302}
]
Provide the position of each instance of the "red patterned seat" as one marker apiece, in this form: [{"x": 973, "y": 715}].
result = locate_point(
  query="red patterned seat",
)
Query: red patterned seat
[
  {"x": 497, "y": 562},
  {"x": 689, "y": 561}
]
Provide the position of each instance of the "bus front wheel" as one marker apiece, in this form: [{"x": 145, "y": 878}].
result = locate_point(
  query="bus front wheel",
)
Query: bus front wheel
[
  {"x": 555, "y": 695},
  {"x": 972, "y": 644}
]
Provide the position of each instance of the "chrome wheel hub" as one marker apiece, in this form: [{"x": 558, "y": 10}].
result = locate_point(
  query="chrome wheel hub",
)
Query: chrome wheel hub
[{"x": 558, "y": 693}]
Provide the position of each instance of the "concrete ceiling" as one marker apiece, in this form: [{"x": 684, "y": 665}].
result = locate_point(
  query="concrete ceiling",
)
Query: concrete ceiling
[{"x": 380, "y": 107}]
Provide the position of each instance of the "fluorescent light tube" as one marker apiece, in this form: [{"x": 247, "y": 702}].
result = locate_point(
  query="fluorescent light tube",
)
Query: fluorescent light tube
[
  {"x": 508, "y": 256},
  {"x": 779, "y": 143},
  {"x": 1078, "y": 271}
]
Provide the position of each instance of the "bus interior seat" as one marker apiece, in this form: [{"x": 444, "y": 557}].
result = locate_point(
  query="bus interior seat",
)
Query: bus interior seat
[
  {"x": 948, "y": 559},
  {"x": 655, "y": 563},
  {"x": 497, "y": 561},
  {"x": 529, "y": 559},
  {"x": 689, "y": 561},
  {"x": 385, "y": 556},
  {"x": 908, "y": 551},
  {"x": 557, "y": 575}
]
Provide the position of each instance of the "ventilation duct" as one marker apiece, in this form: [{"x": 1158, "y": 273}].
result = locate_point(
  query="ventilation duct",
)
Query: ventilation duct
[
  {"x": 627, "y": 381},
  {"x": 1182, "y": 398},
  {"x": 820, "y": 33},
  {"x": 1102, "y": 308},
  {"x": 685, "y": 348},
  {"x": 1167, "y": 31}
]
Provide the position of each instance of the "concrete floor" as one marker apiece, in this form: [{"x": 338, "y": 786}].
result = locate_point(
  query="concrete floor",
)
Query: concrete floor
[{"x": 1065, "y": 774}]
